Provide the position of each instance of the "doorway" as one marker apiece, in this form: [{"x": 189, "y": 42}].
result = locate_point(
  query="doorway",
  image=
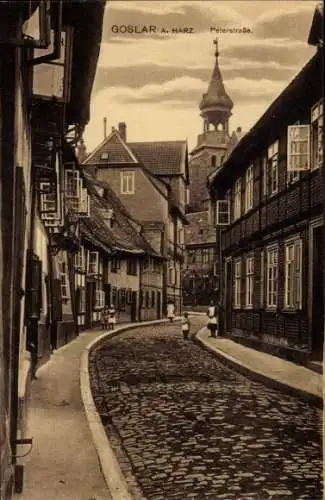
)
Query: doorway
[{"x": 317, "y": 292}]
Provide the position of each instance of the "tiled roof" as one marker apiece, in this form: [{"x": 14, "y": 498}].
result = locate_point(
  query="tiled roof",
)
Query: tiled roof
[
  {"x": 160, "y": 158},
  {"x": 199, "y": 230},
  {"x": 123, "y": 235},
  {"x": 115, "y": 149}
]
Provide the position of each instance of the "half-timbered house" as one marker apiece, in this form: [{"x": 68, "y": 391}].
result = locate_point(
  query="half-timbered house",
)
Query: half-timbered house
[{"x": 268, "y": 202}]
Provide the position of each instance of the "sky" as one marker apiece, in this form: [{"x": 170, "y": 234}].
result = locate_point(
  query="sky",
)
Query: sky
[{"x": 154, "y": 82}]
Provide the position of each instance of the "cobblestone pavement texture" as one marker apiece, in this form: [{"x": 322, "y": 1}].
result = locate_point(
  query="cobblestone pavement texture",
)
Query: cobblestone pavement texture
[{"x": 185, "y": 426}]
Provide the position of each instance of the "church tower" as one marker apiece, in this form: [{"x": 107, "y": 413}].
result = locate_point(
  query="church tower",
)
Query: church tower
[{"x": 212, "y": 144}]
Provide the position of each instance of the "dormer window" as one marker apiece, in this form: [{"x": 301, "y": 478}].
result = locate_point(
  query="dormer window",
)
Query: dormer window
[{"x": 104, "y": 156}]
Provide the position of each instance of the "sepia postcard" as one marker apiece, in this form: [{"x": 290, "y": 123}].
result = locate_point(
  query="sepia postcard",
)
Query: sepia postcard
[{"x": 162, "y": 264}]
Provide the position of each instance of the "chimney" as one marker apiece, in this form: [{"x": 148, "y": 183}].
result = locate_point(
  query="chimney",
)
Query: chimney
[
  {"x": 81, "y": 152},
  {"x": 105, "y": 127},
  {"x": 122, "y": 130}
]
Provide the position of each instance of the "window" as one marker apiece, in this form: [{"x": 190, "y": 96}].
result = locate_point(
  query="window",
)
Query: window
[
  {"x": 249, "y": 281},
  {"x": 298, "y": 148},
  {"x": 127, "y": 182},
  {"x": 48, "y": 198},
  {"x": 64, "y": 280},
  {"x": 104, "y": 156},
  {"x": 93, "y": 263},
  {"x": 205, "y": 256},
  {"x": 293, "y": 274},
  {"x": 79, "y": 259},
  {"x": 213, "y": 161},
  {"x": 72, "y": 184},
  {"x": 153, "y": 298},
  {"x": 237, "y": 283},
  {"x": 82, "y": 300},
  {"x": 272, "y": 174},
  {"x": 262, "y": 279},
  {"x": 265, "y": 176},
  {"x": 237, "y": 203},
  {"x": 317, "y": 135},
  {"x": 272, "y": 277},
  {"x": 249, "y": 186},
  {"x": 122, "y": 299},
  {"x": 223, "y": 213},
  {"x": 132, "y": 267},
  {"x": 115, "y": 265},
  {"x": 99, "y": 298},
  {"x": 84, "y": 203}
]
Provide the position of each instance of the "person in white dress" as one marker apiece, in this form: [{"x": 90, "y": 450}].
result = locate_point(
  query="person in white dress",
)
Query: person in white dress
[
  {"x": 212, "y": 323},
  {"x": 111, "y": 317},
  {"x": 170, "y": 311}
]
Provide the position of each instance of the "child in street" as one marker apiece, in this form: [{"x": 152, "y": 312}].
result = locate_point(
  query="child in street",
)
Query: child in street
[
  {"x": 111, "y": 317},
  {"x": 185, "y": 326},
  {"x": 104, "y": 318}
]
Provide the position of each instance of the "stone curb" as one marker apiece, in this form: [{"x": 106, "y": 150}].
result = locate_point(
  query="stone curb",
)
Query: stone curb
[
  {"x": 259, "y": 376},
  {"x": 110, "y": 467}
]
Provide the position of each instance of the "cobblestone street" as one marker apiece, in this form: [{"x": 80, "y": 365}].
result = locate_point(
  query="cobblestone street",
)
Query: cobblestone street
[{"x": 184, "y": 426}]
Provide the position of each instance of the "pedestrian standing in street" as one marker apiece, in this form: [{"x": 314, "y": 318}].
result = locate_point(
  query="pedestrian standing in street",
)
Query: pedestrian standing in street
[
  {"x": 185, "y": 326},
  {"x": 105, "y": 317},
  {"x": 111, "y": 317},
  {"x": 170, "y": 311},
  {"x": 212, "y": 324}
]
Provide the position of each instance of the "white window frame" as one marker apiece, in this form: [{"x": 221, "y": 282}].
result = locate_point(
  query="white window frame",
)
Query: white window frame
[
  {"x": 127, "y": 182},
  {"x": 72, "y": 184},
  {"x": 262, "y": 280},
  {"x": 84, "y": 203},
  {"x": 237, "y": 283},
  {"x": 317, "y": 124},
  {"x": 237, "y": 199},
  {"x": 223, "y": 213},
  {"x": 82, "y": 305},
  {"x": 298, "y": 161},
  {"x": 64, "y": 280},
  {"x": 273, "y": 169},
  {"x": 272, "y": 272},
  {"x": 99, "y": 298},
  {"x": 92, "y": 262},
  {"x": 48, "y": 199},
  {"x": 249, "y": 188},
  {"x": 293, "y": 274},
  {"x": 205, "y": 256},
  {"x": 79, "y": 259},
  {"x": 249, "y": 281}
]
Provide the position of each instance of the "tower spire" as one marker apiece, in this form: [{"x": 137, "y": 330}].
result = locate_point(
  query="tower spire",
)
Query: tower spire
[{"x": 216, "y": 105}]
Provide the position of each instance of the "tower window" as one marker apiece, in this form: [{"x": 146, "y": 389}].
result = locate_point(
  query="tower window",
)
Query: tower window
[{"x": 213, "y": 161}]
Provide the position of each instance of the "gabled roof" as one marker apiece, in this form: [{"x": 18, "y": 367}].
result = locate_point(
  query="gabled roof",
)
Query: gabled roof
[
  {"x": 161, "y": 157},
  {"x": 116, "y": 149},
  {"x": 125, "y": 236}
]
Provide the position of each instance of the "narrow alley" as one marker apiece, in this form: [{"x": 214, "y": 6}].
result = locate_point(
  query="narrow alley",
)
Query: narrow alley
[{"x": 183, "y": 425}]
